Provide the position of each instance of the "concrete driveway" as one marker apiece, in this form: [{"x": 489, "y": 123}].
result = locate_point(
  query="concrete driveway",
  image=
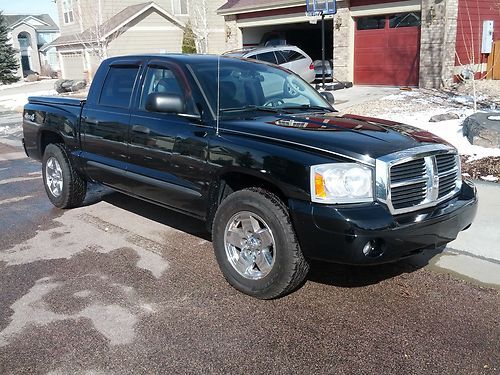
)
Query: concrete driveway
[
  {"x": 121, "y": 286},
  {"x": 356, "y": 95}
]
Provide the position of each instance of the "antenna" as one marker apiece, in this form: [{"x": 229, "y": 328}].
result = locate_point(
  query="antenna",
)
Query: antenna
[{"x": 218, "y": 98}]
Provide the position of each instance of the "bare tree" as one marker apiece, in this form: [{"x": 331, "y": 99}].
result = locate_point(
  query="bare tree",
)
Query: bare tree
[
  {"x": 199, "y": 15},
  {"x": 471, "y": 64},
  {"x": 92, "y": 31}
]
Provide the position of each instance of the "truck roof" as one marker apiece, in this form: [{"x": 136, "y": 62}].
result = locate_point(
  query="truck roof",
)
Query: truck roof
[{"x": 181, "y": 57}]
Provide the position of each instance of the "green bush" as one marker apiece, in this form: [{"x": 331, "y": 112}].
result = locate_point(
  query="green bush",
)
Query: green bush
[
  {"x": 188, "y": 40},
  {"x": 8, "y": 56}
]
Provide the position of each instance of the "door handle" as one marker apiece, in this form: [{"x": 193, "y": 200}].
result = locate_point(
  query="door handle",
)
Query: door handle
[{"x": 140, "y": 129}]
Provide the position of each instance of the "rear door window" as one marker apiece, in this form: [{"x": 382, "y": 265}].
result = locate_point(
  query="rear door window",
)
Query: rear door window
[
  {"x": 280, "y": 57},
  {"x": 370, "y": 22},
  {"x": 118, "y": 86},
  {"x": 267, "y": 56},
  {"x": 292, "y": 55}
]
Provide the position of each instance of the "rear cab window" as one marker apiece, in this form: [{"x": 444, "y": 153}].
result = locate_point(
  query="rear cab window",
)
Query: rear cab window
[{"x": 118, "y": 86}]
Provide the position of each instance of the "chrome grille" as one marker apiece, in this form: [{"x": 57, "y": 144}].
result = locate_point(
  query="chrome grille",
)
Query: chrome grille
[
  {"x": 413, "y": 179},
  {"x": 448, "y": 169},
  {"x": 408, "y": 183},
  {"x": 408, "y": 170}
]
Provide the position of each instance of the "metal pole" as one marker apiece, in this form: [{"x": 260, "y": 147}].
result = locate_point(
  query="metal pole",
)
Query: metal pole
[
  {"x": 323, "y": 47},
  {"x": 333, "y": 48}
]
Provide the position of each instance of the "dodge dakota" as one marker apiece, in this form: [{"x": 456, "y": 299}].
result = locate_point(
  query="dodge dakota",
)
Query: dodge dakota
[{"x": 278, "y": 175}]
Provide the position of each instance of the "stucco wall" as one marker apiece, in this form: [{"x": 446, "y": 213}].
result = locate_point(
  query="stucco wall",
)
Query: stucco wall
[{"x": 33, "y": 53}]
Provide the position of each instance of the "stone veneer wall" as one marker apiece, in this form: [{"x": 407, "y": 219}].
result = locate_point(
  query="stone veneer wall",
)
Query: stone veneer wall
[
  {"x": 342, "y": 30},
  {"x": 437, "y": 42},
  {"x": 233, "y": 34}
]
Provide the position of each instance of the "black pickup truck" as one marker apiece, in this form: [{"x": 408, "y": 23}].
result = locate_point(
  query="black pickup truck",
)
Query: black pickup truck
[{"x": 278, "y": 175}]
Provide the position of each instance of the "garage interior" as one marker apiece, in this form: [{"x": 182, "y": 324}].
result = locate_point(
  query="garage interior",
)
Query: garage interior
[{"x": 304, "y": 35}]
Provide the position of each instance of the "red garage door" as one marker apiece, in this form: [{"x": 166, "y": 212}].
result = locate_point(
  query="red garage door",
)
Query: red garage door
[{"x": 387, "y": 49}]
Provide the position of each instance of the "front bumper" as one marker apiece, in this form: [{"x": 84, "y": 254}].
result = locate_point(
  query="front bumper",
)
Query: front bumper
[{"x": 339, "y": 233}]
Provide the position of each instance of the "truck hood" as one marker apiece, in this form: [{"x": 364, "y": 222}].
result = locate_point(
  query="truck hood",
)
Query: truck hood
[{"x": 356, "y": 137}]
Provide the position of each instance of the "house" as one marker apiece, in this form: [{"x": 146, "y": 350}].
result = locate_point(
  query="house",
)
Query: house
[
  {"x": 375, "y": 42},
  {"x": 30, "y": 34},
  {"x": 93, "y": 30}
]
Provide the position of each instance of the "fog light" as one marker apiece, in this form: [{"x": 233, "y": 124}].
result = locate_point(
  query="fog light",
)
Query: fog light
[{"x": 373, "y": 249}]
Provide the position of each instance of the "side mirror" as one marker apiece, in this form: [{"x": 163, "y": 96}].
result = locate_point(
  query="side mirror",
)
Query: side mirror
[
  {"x": 164, "y": 103},
  {"x": 328, "y": 96}
]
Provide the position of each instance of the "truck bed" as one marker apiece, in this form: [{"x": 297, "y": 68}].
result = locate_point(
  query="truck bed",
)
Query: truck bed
[{"x": 51, "y": 116}]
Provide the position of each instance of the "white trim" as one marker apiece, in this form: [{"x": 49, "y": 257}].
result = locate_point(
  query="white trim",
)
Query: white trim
[
  {"x": 137, "y": 14},
  {"x": 23, "y": 20},
  {"x": 68, "y": 51},
  {"x": 226, "y": 12},
  {"x": 154, "y": 28},
  {"x": 61, "y": 65},
  {"x": 350, "y": 58},
  {"x": 274, "y": 20},
  {"x": 385, "y": 8},
  {"x": 476, "y": 68}
]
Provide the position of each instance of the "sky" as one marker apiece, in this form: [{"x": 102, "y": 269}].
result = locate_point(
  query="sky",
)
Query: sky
[{"x": 30, "y": 7}]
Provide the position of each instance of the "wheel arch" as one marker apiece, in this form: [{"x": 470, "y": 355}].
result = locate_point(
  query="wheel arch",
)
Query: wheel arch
[
  {"x": 47, "y": 137},
  {"x": 233, "y": 180}
]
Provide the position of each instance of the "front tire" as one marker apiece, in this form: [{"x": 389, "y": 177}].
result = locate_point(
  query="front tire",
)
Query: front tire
[
  {"x": 65, "y": 186},
  {"x": 256, "y": 246}
]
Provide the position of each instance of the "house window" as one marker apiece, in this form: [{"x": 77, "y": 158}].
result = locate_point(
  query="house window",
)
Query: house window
[
  {"x": 68, "y": 11},
  {"x": 180, "y": 7}
]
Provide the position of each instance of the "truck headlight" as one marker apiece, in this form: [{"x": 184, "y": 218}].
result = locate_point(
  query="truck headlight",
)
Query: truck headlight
[{"x": 341, "y": 183}]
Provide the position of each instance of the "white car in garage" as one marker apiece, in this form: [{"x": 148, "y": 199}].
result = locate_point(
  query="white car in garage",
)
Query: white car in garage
[{"x": 290, "y": 57}]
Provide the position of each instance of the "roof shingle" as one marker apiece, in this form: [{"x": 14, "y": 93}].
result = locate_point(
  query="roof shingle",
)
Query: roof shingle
[
  {"x": 236, "y": 6},
  {"x": 12, "y": 19}
]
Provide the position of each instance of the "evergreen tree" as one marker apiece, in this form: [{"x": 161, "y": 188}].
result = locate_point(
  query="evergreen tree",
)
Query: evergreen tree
[
  {"x": 8, "y": 56},
  {"x": 188, "y": 40}
]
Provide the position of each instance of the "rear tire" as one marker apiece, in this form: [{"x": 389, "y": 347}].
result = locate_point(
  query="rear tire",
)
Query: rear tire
[
  {"x": 264, "y": 261},
  {"x": 65, "y": 186}
]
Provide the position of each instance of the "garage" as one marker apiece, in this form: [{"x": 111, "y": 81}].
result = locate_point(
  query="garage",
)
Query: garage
[
  {"x": 72, "y": 65},
  {"x": 304, "y": 35},
  {"x": 387, "y": 49}
]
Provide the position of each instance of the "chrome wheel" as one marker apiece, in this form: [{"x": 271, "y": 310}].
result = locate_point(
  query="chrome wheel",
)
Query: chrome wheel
[
  {"x": 54, "y": 176},
  {"x": 250, "y": 246}
]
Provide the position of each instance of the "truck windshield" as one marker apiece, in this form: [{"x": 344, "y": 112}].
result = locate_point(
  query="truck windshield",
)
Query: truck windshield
[{"x": 252, "y": 86}]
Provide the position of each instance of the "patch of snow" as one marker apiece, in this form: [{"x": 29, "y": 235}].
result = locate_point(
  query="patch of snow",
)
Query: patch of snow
[
  {"x": 489, "y": 178},
  {"x": 450, "y": 130},
  {"x": 403, "y": 95},
  {"x": 14, "y": 85},
  {"x": 16, "y": 101},
  {"x": 494, "y": 118}
]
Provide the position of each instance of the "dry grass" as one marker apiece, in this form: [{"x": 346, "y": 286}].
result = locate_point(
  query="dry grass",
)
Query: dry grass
[{"x": 482, "y": 167}]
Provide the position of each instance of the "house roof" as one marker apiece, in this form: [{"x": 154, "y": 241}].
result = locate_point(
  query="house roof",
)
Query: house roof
[
  {"x": 112, "y": 25},
  {"x": 11, "y": 20},
  {"x": 243, "y": 6}
]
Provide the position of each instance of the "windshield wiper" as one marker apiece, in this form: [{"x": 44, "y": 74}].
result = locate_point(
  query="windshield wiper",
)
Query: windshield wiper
[
  {"x": 252, "y": 107},
  {"x": 309, "y": 107}
]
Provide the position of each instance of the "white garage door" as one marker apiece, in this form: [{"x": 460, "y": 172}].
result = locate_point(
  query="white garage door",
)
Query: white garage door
[{"x": 73, "y": 65}]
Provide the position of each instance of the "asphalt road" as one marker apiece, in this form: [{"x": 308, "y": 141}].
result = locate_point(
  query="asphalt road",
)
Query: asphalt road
[{"x": 123, "y": 287}]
